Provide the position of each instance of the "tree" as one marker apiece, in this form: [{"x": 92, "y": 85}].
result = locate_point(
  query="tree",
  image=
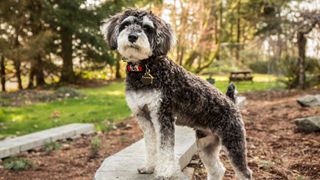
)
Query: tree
[
  {"x": 13, "y": 22},
  {"x": 77, "y": 25},
  {"x": 305, "y": 26},
  {"x": 278, "y": 18}
]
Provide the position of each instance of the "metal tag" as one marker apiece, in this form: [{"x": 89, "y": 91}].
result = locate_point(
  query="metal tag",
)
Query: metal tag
[{"x": 147, "y": 79}]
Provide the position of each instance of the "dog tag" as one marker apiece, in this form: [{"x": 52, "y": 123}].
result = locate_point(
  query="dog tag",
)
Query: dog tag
[{"x": 147, "y": 79}]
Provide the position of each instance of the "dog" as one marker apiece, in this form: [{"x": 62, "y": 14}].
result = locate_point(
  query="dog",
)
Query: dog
[{"x": 161, "y": 94}]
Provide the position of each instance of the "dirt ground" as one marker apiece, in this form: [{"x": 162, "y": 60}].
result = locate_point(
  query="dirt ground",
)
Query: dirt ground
[
  {"x": 75, "y": 159},
  {"x": 275, "y": 149}
]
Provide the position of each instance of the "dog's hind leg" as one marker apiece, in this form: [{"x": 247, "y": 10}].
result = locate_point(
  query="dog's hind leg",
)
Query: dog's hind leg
[
  {"x": 144, "y": 121},
  {"x": 209, "y": 147},
  {"x": 233, "y": 140}
]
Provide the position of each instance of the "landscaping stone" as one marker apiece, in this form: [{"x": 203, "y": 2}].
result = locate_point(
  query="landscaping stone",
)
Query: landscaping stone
[
  {"x": 308, "y": 124},
  {"x": 309, "y": 100},
  {"x": 19, "y": 144},
  {"x": 123, "y": 165}
]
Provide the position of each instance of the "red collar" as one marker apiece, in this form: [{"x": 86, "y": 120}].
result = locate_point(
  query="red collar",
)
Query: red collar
[{"x": 134, "y": 68}]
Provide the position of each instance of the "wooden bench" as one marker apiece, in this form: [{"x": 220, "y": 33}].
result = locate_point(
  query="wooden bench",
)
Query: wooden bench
[{"x": 237, "y": 76}]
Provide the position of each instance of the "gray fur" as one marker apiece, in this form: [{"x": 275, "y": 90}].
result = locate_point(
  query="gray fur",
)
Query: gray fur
[{"x": 195, "y": 102}]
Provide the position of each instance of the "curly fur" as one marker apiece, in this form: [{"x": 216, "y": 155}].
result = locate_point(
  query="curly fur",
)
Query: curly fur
[{"x": 178, "y": 97}]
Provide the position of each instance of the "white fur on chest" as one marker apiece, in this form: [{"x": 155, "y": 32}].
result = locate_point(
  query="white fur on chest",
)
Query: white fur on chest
[{"x": 138, "y": 99}]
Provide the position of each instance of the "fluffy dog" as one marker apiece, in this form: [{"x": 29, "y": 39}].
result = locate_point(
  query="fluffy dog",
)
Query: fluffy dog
[{"x": 161, "y": 94}]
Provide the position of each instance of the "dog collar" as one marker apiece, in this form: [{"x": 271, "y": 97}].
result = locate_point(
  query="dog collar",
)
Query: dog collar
[
  {"x": 146, "y": 78},
  {"x": 134, "y": 68}
]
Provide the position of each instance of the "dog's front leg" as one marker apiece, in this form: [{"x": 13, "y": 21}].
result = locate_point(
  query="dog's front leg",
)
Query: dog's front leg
[
  {"x": 146, "y": 125},
  {"x": 163, "y": 121}
]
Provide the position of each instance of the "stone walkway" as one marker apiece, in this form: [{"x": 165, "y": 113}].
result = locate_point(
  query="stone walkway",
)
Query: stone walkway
[{"x": 19, "y": 144}]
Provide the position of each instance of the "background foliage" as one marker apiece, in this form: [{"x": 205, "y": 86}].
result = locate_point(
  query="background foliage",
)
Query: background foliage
[{"x": 48, "y": 41}]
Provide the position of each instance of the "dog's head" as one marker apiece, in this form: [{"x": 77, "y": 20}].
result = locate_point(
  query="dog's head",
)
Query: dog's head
[{"x": 138, "y": 34}]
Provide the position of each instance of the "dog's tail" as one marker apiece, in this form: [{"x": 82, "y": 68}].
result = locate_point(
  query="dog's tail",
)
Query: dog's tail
[{"x": 232, "y": 92}]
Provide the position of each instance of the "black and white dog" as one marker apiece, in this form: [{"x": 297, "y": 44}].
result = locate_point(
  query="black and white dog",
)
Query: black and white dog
[{"x": 161, "y": 93}]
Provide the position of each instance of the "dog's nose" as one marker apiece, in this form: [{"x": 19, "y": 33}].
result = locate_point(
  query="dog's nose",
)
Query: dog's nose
[{"x": 133, "y": 37}]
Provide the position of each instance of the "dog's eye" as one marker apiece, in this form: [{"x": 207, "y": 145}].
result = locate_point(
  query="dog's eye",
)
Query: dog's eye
[
  {"x": 147, "y": 27},
  {"x": 124, "y": 25}
]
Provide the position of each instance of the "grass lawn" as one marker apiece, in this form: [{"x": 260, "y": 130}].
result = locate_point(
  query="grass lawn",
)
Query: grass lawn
[{"x": 102, "y": 106}]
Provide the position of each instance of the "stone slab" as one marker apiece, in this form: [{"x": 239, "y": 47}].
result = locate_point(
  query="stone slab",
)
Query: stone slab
[
  {"x": 123, "y": 165},
  {"x": 16, "y": 145}
]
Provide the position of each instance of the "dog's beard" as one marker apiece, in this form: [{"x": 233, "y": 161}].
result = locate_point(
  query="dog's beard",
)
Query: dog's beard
[{"x": 134, "y": 52}]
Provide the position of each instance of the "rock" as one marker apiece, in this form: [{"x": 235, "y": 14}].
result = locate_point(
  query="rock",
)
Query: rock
[
  {"x": 309, "y": 100},
  {"x": 308, "y": 124},
  {"x": 65, "y": 146},
  {"x": 67, "y": 92}
]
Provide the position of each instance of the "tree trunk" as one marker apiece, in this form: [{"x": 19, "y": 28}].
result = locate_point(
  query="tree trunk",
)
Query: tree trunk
[
  {"x": 2, "y": 74},
  {"x": 216, "y": 31},
  {"x": 220, "y": 32},
  {"x": 118, "y": 75},
  {"x": 238, "y": 32},
  {"x": 67, "y": 73},
  {"x": 302, "y": 41},
  {"x": 31, "y": 75},
  {"x": 39, "y": 72},
  {"x": 17, "y": 67}
]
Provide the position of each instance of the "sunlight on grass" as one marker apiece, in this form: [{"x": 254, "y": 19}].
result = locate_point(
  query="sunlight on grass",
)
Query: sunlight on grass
[
  {"x": 260, "y": 82},
  {"x": 15, "y": 118},
  {"x": 256, "y": 77},
  {"x": 115, "y": 93}
]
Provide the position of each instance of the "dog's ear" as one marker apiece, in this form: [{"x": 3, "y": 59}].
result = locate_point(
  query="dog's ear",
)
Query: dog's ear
[
  {"x": 165, "y": 37},
  {"x": 109, "y": 29}
]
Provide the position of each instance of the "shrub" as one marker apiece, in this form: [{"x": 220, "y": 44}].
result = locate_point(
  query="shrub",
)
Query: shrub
[
  {"x": 51, "y": 146},
  {"x": 18, "y": 164},
  {"x": 95, "y": 146},
  {"x": 269, "y": 66},
  {"x": 221, "y": 66},
  {"x": 259, "y": 67},
  {"x": 290, "y": 69}
]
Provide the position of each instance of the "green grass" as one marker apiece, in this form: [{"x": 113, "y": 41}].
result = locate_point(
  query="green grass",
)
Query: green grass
[
  {"x": 100, "y": 105},
  {"x": 261, "y": 82}
]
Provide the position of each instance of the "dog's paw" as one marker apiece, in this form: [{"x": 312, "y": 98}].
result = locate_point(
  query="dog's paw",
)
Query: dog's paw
[
  {"x": 161, "y": 178},
  {"x": 145, "y": 170},
  {"x": 175, "y": 177}
]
